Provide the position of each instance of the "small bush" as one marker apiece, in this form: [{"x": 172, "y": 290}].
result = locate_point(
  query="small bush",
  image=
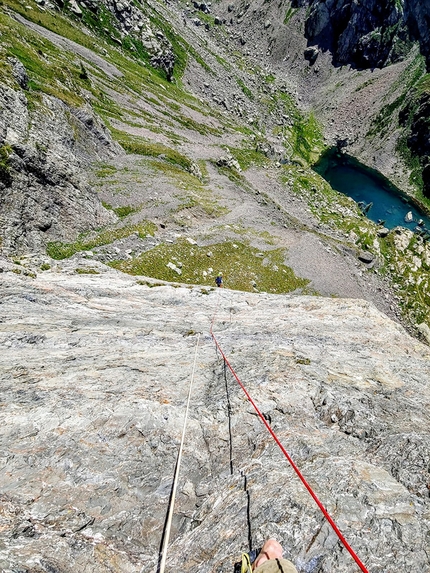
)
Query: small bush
[
  {"x": 89, "y": 271},
  {"x": 5, "y": 151},
  {"x": 83, "y": 74},
  {"x": 124, "y": 211}
]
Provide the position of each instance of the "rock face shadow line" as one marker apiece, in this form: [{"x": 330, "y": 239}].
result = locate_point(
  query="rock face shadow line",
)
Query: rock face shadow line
[
  {"x": 245, "y": 485},
  {"x": 229, "y": 418},
  {"x": 248, "y": 509}
]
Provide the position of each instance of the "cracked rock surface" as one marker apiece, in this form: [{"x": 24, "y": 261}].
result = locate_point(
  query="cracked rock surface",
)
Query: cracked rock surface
[{"x": 95, "y": 371}]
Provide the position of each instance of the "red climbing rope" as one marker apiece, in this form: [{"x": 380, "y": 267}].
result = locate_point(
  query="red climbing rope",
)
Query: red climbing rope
[{"x": 286, "y": 454}]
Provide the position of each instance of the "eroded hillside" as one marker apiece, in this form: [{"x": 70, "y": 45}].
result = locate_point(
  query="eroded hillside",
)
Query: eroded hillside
[{"x": 146, "y": 135}]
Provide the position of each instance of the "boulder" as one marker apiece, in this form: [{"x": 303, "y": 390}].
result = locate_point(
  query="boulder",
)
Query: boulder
[
  {"x": 366, "y": 257},
  {"x": 92, "y": 5},
  {"x": 424, "y": 330},
  {"x": 311, "y": 54},
  {"x": 230, "y": 162},
  {"x": 383, "y": 232},
  {"x": 75, "y": 8},
  {"x": 174, "y": 267},
  {"x": 121, "y": 6},
  {"x": 19, "y": 73},
  {"x": 165, "y": 61}
]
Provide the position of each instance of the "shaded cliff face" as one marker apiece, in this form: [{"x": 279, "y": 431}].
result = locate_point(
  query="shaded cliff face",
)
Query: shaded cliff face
[
  {"x": 95, "y": 371},
  {"x": 415, "y": 117},
  {"x": 418, "y": 19},
  {"x": 368, "y": 34},
  {"x": 46, "y": 148}
]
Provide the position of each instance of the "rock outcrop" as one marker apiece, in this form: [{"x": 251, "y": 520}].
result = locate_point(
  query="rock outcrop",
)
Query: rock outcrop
[
  {"x": 44, "y": 154},
  {"x": 95, "y": 370},
  {"x": 415, "y": 118},
  {"x": 368, "y": 34},
  {"x": 128, "y": 22}
]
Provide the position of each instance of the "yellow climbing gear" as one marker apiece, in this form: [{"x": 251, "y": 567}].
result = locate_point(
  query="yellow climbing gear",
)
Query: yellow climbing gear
[{"x": 246, "y": 564}]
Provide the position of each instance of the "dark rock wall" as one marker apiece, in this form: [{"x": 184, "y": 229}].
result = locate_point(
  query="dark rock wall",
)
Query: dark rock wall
[
  {"x": 45, "y": 151},
  {"x": 415, "y": 118},
  {"x": 368, "y": 34},
  {"x": 418, "y": 19}
]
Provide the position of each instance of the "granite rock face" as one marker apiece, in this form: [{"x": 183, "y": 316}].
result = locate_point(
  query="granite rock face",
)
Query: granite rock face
[
  {"x": 95, "y": 370},
  {"x": 368, "y": 34},
  {"x": 45, "y": 151}
]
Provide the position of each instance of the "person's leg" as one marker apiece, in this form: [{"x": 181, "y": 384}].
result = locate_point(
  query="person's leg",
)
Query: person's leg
[{"x": 270, "y": 550}]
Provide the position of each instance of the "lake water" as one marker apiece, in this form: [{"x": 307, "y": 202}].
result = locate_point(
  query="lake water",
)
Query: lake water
[{"x": 347, "y": 175}]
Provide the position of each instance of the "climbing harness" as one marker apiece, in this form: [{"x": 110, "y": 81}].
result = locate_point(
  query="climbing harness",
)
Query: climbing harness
[
  {"x": 178, "y": 464},
  {"x": 284, "y": 451}
]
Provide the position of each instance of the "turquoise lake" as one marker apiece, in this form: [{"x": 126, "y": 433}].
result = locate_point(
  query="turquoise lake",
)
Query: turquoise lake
[{"x": 348, "y": 176}]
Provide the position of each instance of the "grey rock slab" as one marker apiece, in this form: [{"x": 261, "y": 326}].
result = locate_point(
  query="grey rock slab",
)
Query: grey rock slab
[
  {"x": 46, "y": 195},
  {"x": 95, "y": 371}
]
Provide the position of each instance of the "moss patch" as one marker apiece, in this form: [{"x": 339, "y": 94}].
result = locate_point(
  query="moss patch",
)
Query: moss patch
[
  {"x": 290, "y": 13},
  {"x": 141, "y": 146},
  {"x": 307, "y": 138},
  {"x": 105, "y": 170},
  {"x": 247, "y": 157},
  {"x": 58, "y": 250},
  {"x": 242, "y": 265},
  {"x": 122, "y": 212},
  {"x": 86, "y": 271},
  {"x": 245, "y": 89},
  {"x": 193, "y": 193}
]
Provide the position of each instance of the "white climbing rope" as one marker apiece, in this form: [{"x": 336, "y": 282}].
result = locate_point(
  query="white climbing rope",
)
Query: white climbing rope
[{"x": 178, "y": 463}]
